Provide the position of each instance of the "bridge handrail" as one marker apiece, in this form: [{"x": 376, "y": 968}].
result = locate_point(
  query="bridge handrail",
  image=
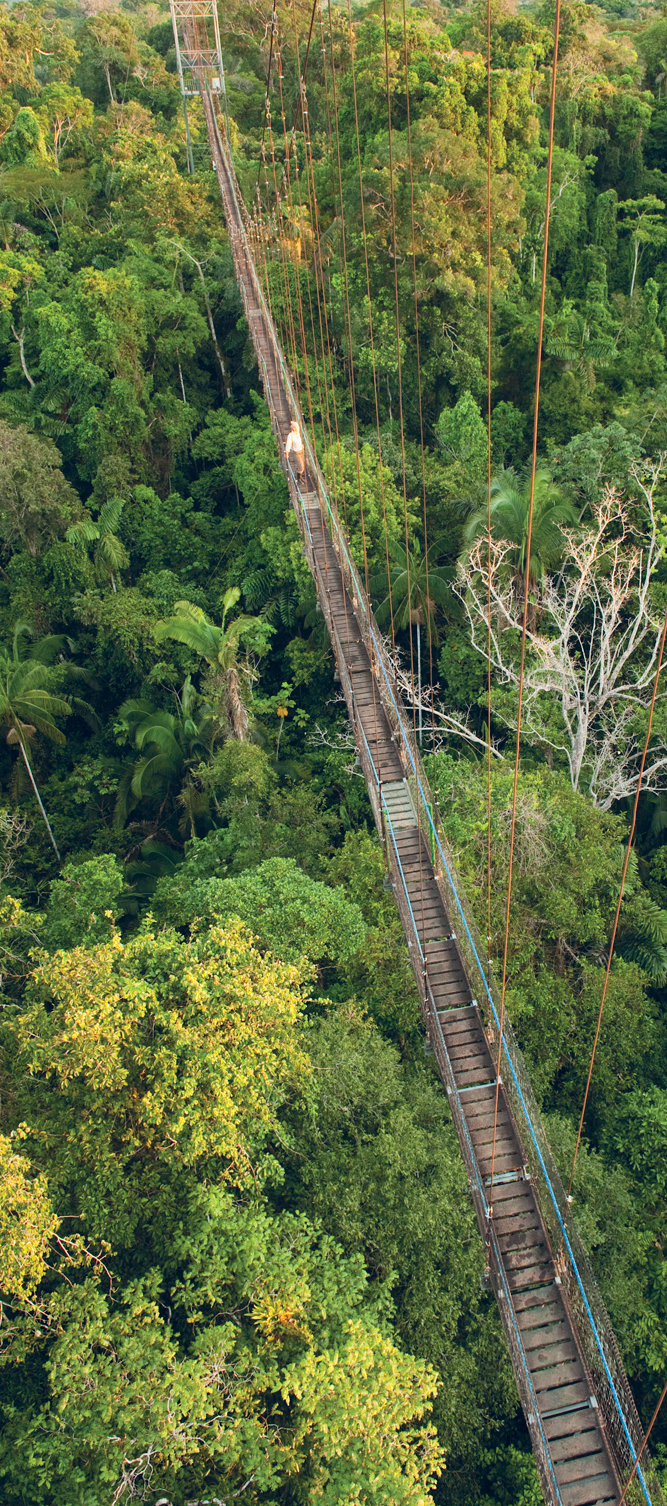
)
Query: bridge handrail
[{"x": 612, "y": 1392}]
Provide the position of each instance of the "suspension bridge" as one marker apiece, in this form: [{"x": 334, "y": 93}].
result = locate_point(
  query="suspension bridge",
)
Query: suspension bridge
[{"x": 585, "y": 1431}]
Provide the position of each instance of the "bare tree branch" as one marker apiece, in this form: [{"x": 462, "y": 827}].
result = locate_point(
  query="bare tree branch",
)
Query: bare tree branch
[{"x": 591, "y": 657}]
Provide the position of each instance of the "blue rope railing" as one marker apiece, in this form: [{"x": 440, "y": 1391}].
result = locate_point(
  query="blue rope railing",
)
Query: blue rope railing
[{"x": 472, "y": 1156}]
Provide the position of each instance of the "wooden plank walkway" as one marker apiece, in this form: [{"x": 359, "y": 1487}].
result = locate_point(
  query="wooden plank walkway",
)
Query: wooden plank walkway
[{"x": 574, "y": 1462}]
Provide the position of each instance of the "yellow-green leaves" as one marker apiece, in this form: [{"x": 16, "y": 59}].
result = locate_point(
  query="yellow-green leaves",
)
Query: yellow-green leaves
[
  {"x": 360, "y": 1422},
  {"x": 158, "y": 1051},
  {"x": 27, "y": 1222}
]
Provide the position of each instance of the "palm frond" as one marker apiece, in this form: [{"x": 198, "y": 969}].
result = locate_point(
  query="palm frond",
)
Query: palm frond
[
  {"x": 82, "y": 708},
  {"x": 161, "y": 736},
  {"x": 147, "y": 770},
  {"x": 112, "y": 552},
  {"x": 47, "y": 649},
  {"x": 85, "y": 532},
  {"x": 110, "y": 515},
  {"x": 201, "y": 636}
]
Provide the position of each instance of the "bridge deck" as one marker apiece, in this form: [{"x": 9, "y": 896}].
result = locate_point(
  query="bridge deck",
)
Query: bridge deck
[{"x": 574, "y": 1462}]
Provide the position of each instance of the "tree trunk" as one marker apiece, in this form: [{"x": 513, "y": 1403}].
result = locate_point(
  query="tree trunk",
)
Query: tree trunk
[
  {"x": 38, "y": 798},
  {"x": 238, "y": 716},
  {"x": 214, "y": 335},
  {"x": 419, "y": 680},
  {"x": 634, "y": 269},
  {"x": 111, "y": 93},
  {"x": 20, "y": 338}
]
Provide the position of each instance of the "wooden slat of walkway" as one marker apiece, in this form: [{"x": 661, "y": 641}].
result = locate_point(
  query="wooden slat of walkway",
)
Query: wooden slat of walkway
[{"x": 575, "y": 1442}]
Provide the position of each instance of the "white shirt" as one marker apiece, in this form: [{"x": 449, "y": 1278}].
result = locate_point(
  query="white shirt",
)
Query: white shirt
[{"x": 294, "y": 442}]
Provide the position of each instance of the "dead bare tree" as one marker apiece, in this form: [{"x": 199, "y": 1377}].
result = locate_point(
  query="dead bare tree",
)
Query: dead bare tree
[
  {"x": 591, "y": 656},
  {"x": 439, "y": 725}
]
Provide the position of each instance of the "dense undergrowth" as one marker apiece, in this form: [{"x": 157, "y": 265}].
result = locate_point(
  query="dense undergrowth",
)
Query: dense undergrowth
[{"x": 238, "y": 1257}]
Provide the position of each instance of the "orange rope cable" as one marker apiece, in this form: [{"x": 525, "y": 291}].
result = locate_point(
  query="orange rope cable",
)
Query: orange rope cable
[
  {"x": 398, "y": 344},
  {"x": 620, "y": 901},
  {"x": 321, "y": 296},
  {"x": 288, "y": 146},
  {"x": 290, "y": 344},
  {"x": 646, "y": 1439},
  {"x": 317, "y": 260},
  {"x": 260, "y": 235},
  {"x": 329, "y": 349},
  {"x": 302, "y": 110},
  {"x": 355, "y": 429},
  {"x": 286, "y": 180},
  {"x": 337, "y": 450},
  {"x": 533, "y": 470},
  {"x": 265, "y": 226},
  {"x": 419, "y": 378},
  {"x": 267, "y": 106},
  {"x": 347, "y": 306},
  {"x": 314, "y": 213},
  {"x": 297, "y": 277},
  {"x": 421, "y": 430},
  {"x": 370, "y": 319}
]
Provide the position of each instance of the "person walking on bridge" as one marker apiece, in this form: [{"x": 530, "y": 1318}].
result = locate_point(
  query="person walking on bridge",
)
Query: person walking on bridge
[{"x": 294, "y": 445}]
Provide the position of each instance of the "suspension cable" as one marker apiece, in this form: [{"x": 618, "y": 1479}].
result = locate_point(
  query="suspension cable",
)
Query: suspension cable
[
  {"x": 620, "y": 902},
  {"x": 533, "y": 469},
  {"x": 398, "y": 342},
  {"x": 267, "y": 106},
  {"x": 321, "y": 304},
  {"x": 355, "y": 428},
  {"x": 646, "y": 1439},
  {"x": 370, "y": 321},
  {"x": 304, "y": 117},
  {"x": 347, "y": 303},
  {"x": 297, "y": 276},
  {"x": 335, "y": 450},
  {"x": 288, "y": 196},
  {"x": 339, "y": 453},
  {"x": 419, "y": 376},
  {"x": 423, "y": 469}
]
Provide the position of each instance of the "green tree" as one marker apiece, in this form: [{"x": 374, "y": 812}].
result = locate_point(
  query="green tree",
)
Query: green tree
[
  {"x": 289, "y": 913},
  {"x": 186, "y": 1051},
  {"x": 23, "y": 145},
  {"x": 219, "y": 646},
  {"x": 36, "y": 501},
  {"x": 510, "y": 514},
  {"x": 83, "y": 904},
  {"x": 570, "y": 341},
  {"x": 461, "y": 433},
  {"x": 28, "y": 704},
  {"x": 64, "y": 111},
  {"x": 110, "y": 555},
  {"x": 645, "y": 226},
  {"x": 108, "y": 44},
  {"x": 378, "y": 1165},
  {"x": 172, "y": 745}
]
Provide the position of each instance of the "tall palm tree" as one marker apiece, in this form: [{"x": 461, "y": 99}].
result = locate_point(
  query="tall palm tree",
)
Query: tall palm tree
[
  {"x": 219, "y": 646},
  {"x": 572, "y": 345},
  {"x": 110, "y": 555},
  {"x": 415, "y": 587},
  {"x": 169, "y": 744},
  {"x": 27, "y": 705},
  {"x": 510, "y": 511}
]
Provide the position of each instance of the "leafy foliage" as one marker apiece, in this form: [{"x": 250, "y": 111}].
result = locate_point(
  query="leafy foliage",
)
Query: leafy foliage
[{"x": 238, "y": 1256}]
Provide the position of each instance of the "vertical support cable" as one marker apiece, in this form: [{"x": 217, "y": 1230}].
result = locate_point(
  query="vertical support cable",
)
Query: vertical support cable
[{"x": 533, "y": 469}]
